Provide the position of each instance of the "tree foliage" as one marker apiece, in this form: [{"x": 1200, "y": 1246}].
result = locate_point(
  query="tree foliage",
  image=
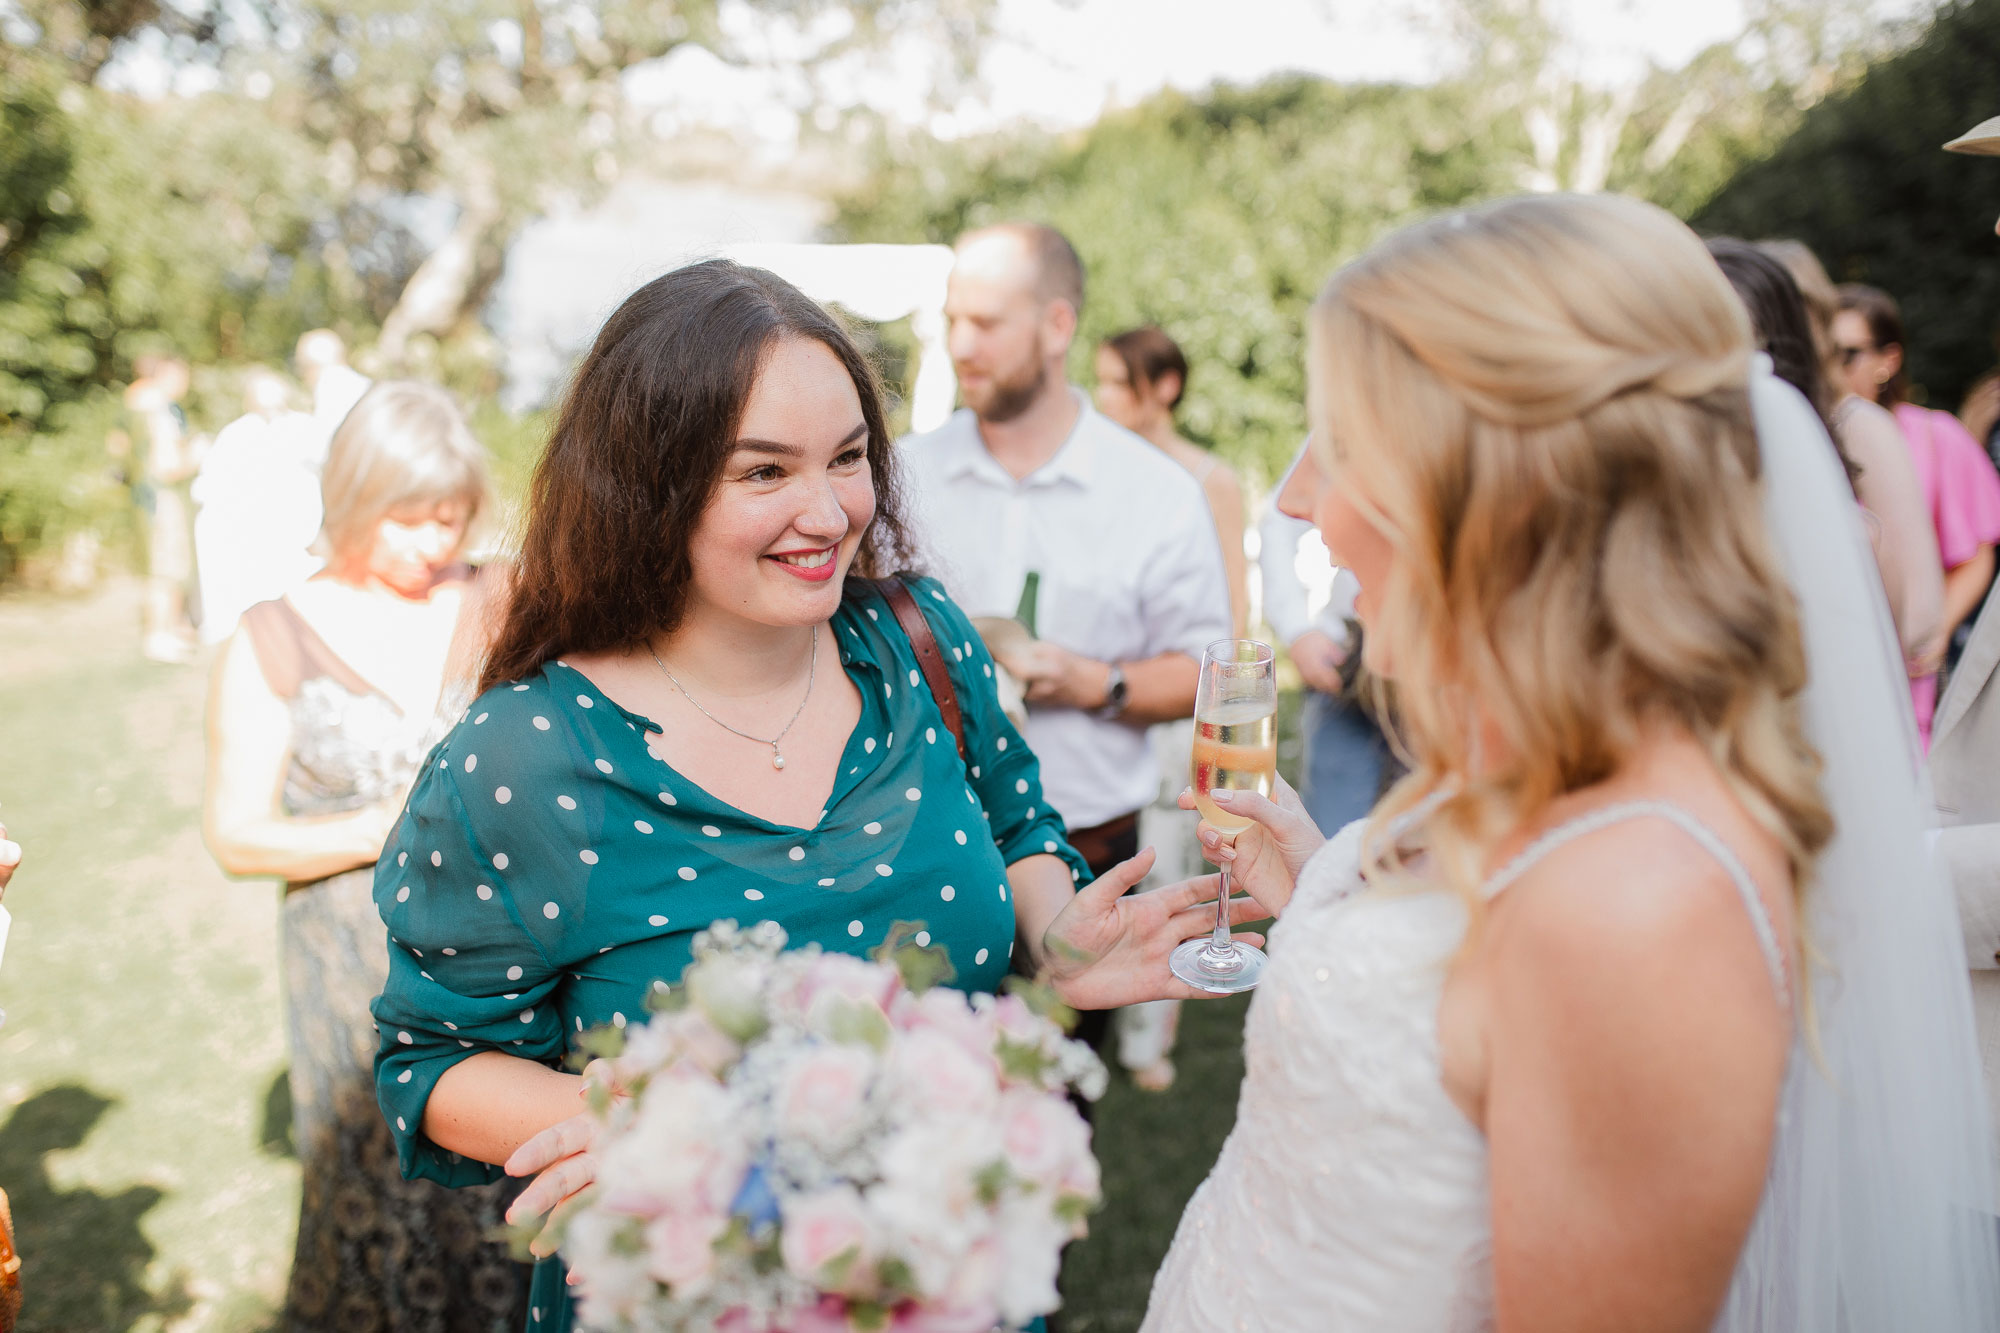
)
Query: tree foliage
[
  {"x": 1864, "y": 183},
  {"x": 307, "y": 187},
  {"x": 1217, "y": 217},
  {"x": 188, "y": 225}
]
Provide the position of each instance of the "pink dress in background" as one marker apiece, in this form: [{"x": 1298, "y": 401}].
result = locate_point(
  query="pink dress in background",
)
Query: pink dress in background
[{"x": 1962, "y": 491}]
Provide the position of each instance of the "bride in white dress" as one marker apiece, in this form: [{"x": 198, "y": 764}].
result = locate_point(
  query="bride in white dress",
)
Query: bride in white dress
[{"x": 1623, "y": 1012}]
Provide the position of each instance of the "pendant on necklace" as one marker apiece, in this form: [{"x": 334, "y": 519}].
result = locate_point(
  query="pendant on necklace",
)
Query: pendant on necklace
[{"x": 777, "y": 758}]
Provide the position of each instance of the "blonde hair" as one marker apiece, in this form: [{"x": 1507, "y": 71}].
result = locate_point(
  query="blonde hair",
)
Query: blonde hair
[
  {"x": 1545, "y": 402},
  {"x": 404, "y": 445}
]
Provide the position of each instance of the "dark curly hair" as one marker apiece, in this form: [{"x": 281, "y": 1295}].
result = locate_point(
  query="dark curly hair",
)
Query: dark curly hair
[{"x": 645, "y": 429}]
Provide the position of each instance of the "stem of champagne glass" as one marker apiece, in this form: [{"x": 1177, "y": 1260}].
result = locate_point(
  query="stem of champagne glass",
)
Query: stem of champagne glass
[{"x": 1220, "y": 942}]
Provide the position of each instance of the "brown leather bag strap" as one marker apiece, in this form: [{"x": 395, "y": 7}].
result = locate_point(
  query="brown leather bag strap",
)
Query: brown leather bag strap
[{"x": 930, "y": 658}]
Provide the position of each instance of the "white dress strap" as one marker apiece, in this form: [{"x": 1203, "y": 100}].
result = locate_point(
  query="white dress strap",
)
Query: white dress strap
[{"x": 1705, "y": 837}]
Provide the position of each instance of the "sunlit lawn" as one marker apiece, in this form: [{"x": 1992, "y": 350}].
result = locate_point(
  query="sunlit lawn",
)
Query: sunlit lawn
[{"x": 145, "y": 1141}]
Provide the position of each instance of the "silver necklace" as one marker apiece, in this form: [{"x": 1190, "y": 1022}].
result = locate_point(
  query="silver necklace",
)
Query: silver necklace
[{"x": 777, "y": 755}]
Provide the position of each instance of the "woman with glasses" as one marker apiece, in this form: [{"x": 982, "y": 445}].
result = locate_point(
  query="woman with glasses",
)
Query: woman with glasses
[
  {"x": 1961, "y": 489},
  {"x": 1880, "y": 472}
]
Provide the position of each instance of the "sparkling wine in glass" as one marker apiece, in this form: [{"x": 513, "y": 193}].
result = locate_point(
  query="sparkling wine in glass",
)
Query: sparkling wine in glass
[{"x": 1235, "y": 749}]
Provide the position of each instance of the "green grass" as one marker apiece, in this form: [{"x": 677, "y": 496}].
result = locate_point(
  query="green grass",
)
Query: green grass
[
  {"x": 143, "y": 1150},
  {"x": 145, "y": 1142},
  {"x": 1154, "y": 1149}
]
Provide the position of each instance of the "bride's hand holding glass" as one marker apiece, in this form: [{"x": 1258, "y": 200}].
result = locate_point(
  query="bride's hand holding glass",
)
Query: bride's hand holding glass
[{"x": 1264, "y": 859}]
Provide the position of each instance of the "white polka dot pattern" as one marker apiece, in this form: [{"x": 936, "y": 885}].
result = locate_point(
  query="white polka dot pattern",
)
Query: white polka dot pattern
[{"x": 581, "y": 794}]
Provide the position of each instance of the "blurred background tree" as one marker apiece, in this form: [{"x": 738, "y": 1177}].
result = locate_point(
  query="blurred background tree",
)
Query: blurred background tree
[
  {"x": 360, "y": 164},
  {"x": 1219, "y": 217},
  {"x": 1864, "y": 184},
  {"x": 122, "y": 229},
  {"x": 1216, "y": 217},
  {"x": 365, "y": 165}
]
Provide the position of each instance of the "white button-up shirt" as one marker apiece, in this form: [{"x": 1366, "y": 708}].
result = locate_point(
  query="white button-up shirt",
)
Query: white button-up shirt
[
  {"x": 1302, "y": 587},
  {"x": 1130, "y": 568}
]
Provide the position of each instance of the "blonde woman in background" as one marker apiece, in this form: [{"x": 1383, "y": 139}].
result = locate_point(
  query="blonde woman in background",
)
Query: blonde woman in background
[
  {"x": 1142, "y": 375},
  {"x": 324, "y": 704},
  {"x": 1528, "y": 1050},
  {"x": 1885, "y": 481}
]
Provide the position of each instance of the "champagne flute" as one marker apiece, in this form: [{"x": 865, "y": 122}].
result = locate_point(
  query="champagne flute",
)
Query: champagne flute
[{"x": 1235, "y": 749}]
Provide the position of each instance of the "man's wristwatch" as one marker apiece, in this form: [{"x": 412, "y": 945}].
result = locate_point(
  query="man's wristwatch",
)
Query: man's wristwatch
[{"x": 1115, "y": 690}]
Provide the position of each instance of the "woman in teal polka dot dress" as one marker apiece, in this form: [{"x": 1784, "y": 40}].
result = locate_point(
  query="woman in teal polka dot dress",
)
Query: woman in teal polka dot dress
[{"x": 701, "y": 707}]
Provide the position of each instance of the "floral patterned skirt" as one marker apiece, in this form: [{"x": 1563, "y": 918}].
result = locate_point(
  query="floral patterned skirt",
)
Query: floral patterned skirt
[{"x": 376, "y": 1253}]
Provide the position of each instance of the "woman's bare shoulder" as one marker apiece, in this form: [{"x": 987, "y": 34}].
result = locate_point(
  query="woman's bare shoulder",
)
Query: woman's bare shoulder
[{"x": 1613, "y": 913}]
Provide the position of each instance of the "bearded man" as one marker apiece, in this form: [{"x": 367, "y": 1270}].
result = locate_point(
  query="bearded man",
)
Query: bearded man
[{"x": 1028, "y": 487}]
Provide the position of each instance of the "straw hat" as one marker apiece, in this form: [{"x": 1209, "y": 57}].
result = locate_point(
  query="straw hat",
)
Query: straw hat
[{"x": 1982, "y": 139}]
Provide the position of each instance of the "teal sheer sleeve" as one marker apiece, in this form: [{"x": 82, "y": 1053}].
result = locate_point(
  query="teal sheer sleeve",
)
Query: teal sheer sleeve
[{"x": 481, "y": 887}]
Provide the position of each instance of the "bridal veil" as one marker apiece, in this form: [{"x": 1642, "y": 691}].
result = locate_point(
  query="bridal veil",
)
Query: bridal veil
[{"x": 1878, "y": 1214}]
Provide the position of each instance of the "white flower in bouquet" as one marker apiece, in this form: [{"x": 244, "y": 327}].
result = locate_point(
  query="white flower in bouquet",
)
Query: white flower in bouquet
[{"x": 809, "y": 1144}]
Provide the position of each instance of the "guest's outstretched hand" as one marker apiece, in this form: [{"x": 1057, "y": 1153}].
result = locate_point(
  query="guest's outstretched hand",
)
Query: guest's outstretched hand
[
  {"x": 1265, "y": 859},
  {"x": 1107, "y": 948}
]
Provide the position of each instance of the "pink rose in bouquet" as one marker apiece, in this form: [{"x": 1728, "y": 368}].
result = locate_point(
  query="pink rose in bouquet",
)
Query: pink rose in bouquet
[{"x": 824, "y": 1100}]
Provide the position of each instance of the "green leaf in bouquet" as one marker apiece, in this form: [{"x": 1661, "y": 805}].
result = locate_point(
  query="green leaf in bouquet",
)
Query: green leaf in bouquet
[
  {"x": 737, "y": 1239},
  {"x": 603, "y": 1042},
  {"x": 517, "y": 1237},
  {"x": 729, "y": 992},
  {"x": 856, "y": 1022},
  {"x": 662, "y": 998},
  {"x": 922, "y": 965},
  {"x": 992, "y": 1181},
  {"x": 1075, "y": 1208},
  {"x": 1042, "y": 1001},
  {"x": 1023, "y": 1062},
  {"x": 836, "y": 1269},
  {"x": 867, "y": 1316},
  {"x": 897, "y": 1279}
]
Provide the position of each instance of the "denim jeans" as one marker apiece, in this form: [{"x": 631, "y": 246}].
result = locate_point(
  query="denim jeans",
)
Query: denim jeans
[{"x": 1345, "y": 760}]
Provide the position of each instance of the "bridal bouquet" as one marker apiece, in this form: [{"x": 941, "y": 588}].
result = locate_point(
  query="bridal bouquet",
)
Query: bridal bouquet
[{"x": 805, "y": 1142}]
